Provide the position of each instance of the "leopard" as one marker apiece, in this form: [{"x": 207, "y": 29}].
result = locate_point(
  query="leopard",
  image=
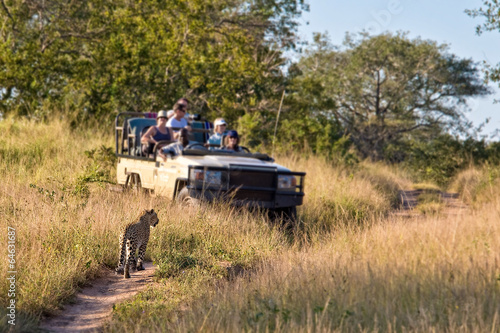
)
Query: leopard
[{"x": 135, "y": 236}]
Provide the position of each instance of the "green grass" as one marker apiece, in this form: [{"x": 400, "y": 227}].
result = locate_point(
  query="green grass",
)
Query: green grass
[
  {"x": 427, "y": 187},
  {"x": 430, "y": 202}
]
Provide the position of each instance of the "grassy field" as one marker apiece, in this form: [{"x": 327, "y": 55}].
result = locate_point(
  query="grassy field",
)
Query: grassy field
[{"x": 349, "y": 265}]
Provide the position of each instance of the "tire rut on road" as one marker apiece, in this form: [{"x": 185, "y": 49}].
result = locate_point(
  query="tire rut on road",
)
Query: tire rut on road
[{"x": 409, "y": 201}]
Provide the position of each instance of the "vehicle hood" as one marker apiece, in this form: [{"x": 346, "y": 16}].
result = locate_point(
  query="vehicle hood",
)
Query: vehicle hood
[{"x": 225, "y": 161}]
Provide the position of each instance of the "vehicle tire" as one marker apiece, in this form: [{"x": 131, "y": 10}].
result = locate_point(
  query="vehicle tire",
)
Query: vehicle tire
[
  {"x": 185, "y": 199},
  {"x": 134, "y": 184}
]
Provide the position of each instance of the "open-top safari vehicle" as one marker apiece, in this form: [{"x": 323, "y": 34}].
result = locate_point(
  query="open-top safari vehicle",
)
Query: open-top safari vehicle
[{"x": 201, "y": 174}]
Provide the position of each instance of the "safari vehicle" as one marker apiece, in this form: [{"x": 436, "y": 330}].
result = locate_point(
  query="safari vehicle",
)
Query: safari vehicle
[{"x": 201, "y": 174}]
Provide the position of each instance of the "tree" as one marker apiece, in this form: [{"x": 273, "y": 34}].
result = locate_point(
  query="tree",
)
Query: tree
[
  {"x": 491, "y": 13},
  {"x": 97, "y": 57},
  {"x": 306, "y": 120},
  {"x": 386, "y": 89}
]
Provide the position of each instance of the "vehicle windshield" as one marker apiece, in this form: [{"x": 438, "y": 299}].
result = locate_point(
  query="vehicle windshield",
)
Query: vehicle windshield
[{"x": 200, "y": 151}]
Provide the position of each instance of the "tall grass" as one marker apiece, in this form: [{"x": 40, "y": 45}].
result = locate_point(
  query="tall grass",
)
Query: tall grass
[
  {"x": 421, "y": 276},
  {"x": 348, "y": 266},
  {"x": 478, "y": 185},
  {"x": 339, "y": 196},
  {"x": 64, "y": 230}
]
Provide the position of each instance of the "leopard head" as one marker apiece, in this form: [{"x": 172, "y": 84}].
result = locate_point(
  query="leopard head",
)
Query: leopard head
[{"x": 152, "y": 217}]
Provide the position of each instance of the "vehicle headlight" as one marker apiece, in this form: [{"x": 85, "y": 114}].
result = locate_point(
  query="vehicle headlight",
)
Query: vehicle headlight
[
  {"x": 208, "y": 178},
  {"x": 287, "y": 182},
  {"x": 213, "y": 178},
  {"x": 197, "y": 175}
]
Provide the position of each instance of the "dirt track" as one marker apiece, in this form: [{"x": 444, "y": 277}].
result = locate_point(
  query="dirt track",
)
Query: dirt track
[
  {"x": 409, "y": 200},
  {"x": 93, "y": 306}
]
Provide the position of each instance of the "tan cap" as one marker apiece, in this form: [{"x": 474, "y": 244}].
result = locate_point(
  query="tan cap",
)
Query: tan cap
[{"x": 162, "y": 114}]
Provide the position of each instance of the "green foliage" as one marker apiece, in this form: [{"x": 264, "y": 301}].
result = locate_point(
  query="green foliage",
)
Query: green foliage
[
  {"x": 491, "y": 13},
  {"x": 51, "y": 195},
  {"x": 254, "y": 129},
  {"x": 385, "y": 89},
  {"x": 440, "y": 159},
  {"x": 103, "y": 155},
  {"x": 95, "y": 57},
  {"x": 100, "y": 170}
]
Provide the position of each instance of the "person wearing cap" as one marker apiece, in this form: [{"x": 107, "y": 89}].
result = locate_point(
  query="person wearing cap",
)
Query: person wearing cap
[
  {"x": 160, "y": 132},
  {"x": 232, "y": 142},
  {"x": 219, "y": 131}
]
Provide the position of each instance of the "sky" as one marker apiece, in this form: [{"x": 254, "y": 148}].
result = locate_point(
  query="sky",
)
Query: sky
[{"x": 443, "y": 21}]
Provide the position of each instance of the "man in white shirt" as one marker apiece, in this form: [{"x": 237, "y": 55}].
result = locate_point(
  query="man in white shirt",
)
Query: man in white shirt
[{"x": 178, "y": 121}]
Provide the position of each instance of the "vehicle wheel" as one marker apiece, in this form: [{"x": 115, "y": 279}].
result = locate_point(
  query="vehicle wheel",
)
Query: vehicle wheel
[
  {"x": 134, "y": 184},
  {"x": 185, "y": 199}
]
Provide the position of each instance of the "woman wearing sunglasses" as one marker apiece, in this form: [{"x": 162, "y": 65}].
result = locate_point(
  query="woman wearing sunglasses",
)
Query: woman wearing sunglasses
[{"x": 232, "y": 142}]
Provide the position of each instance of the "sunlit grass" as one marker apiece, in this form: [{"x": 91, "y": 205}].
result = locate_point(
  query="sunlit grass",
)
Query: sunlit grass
[
  {"x": 432, "y": 275},
  {"x": 478, "y": 185},
  {"x": 430, "y": 202},
  {"x": 347, "y": 266},
  {"x": 427, "y": 187}
]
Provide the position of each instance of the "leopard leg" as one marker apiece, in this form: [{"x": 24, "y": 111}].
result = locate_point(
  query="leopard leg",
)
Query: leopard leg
[
  {"x": 127, "y": 261},
  {"x": 140, "y": 260},
  {"x": 121, "y": 256},
  {"x": 132, "y": 259}
]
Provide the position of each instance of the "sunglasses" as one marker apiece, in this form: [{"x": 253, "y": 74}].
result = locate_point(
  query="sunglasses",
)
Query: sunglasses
[{"x": 233, "y": 137}]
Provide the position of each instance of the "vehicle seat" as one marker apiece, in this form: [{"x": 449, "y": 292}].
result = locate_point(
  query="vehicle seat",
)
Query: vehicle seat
[
  {"x": 135, "y": 130},
  {"x": 199, "y": 136}
]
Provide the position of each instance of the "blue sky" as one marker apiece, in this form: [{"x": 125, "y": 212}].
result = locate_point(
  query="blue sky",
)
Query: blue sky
[{"x": 443, "y": 21}]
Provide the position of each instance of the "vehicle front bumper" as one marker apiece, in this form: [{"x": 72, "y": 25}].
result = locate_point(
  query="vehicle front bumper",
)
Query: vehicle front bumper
[{"x": 249, "y": 198}]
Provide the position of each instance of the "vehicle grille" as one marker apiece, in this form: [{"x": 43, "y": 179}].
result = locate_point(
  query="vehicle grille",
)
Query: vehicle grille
[
  {"x": 244, "y": 178},
  {"x": 248, "y": 195}
]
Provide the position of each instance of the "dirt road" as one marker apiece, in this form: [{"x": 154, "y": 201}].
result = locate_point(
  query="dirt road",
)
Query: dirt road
[
  {"x": 453, "y": 205},
  {"x": 93, "y": 306}
]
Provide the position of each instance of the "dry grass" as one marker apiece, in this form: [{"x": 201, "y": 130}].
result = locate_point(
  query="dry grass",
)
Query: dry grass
[
  {"x": 67, "y": 223},
  {"x": 421, "y": 276},
  {"x": 478, "y": 185},
  {"x": 427, "y": 187},
  {"x": 347, "y": 267},
  {"x": 339, "y": 197}
]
